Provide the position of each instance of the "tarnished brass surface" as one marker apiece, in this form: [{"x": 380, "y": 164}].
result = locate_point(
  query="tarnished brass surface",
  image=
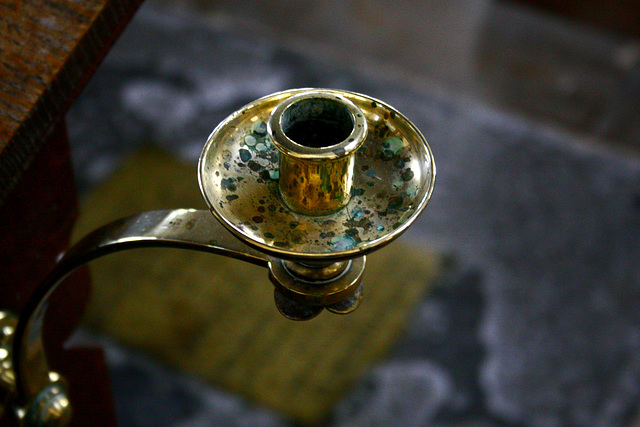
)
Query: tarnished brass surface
[
  {"x": 317, "y": 134},
  {"x": 315, "y": 188},
  {"x": 240, "y": 172}
]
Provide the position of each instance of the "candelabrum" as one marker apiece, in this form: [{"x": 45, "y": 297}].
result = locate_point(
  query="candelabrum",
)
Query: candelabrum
[{"x": 303, "y": 182}]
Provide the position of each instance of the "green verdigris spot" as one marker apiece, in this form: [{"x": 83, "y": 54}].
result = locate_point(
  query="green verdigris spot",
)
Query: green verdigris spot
[
  {"x": 391, "y": 147},
  {"x": 342, "y": 243}
]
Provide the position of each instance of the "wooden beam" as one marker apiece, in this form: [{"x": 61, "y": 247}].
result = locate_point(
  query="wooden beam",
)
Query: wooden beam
[{"x": 48, "y": 51}]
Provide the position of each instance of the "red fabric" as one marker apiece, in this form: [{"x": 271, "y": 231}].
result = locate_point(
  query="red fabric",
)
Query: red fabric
[{"x": 35, "y": 226}]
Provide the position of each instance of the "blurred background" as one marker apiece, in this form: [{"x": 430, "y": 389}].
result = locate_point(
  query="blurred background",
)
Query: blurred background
[{"x": 512, "y": 301}]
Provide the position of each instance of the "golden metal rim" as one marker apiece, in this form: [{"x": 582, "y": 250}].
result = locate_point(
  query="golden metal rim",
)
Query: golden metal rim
[{"x": 291, "y": 148}]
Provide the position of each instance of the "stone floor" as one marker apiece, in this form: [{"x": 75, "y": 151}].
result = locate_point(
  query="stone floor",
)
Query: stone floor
[{"x": 537, "y": 198}]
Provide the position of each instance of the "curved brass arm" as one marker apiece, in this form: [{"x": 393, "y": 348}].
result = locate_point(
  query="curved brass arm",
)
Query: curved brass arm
[
  {"x": 301, "y": 292},
  {"x": 182, "y": 228}
]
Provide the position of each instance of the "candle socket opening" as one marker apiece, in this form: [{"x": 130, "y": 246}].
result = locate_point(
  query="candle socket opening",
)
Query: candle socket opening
[
  {"x": 317, "y": 134},
  {"x": 317, "y": 122}
]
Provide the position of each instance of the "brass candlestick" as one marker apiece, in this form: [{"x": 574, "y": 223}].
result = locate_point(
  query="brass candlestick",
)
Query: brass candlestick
[{"x": 307, "y": 181}]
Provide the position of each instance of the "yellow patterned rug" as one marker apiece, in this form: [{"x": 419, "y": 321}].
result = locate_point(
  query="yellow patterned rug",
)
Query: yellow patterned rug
[{"x": 215, "y": 318}]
